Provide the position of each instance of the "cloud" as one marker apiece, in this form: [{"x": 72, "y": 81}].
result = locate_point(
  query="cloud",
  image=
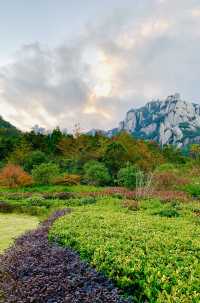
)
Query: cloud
[{"x": 110, "y": 67}]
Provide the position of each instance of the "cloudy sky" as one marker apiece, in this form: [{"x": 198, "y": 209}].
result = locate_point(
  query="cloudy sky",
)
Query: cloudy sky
[{"x": 88, "y": 61}]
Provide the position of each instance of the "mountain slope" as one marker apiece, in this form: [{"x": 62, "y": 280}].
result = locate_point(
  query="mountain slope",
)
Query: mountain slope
[
  {"x": 7, "y": 129},
  {"x": 171, "y": 121}
]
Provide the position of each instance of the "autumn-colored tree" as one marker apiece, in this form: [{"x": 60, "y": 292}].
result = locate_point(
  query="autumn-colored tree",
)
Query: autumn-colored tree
[{"x": 13, "y": 176}]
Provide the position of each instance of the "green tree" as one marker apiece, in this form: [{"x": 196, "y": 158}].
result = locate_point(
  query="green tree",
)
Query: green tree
[
  {"x": 128, "y": 176},
  {"x": 45, "y": 173},
  {"x": 115, "y": 157},
  {"x": 34, "y": 158},
  {"x": 96, "y": 173}
]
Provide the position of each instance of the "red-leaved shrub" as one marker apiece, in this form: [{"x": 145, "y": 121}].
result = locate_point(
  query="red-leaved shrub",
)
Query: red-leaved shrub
[
  {"x": 168, "y": 180},
  {"x": 13, "y": 176}
]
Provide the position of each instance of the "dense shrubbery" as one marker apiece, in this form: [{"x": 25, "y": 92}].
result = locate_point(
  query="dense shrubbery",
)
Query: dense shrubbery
[
  {"x": 152, "y": 258},
  {"x": 96, "y": 173},
  {"x": 168, "y": 180},
  {"x": 45, "y": 173},
  {"x": 67, "y": 180},
  {"x": 14, "y": 176},
  {"x": 129, "y": 176},
  {"x": 35, "y": 158}
]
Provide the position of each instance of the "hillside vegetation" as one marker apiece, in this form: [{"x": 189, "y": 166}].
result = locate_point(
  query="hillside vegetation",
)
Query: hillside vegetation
[
  {"x": 152, "y": 253},
  {"x": 129, "y": 209}
]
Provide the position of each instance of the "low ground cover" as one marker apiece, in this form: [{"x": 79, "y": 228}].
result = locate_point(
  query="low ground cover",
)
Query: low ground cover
[
  {"x": 150, "y": 253},
  {"x": 12, "y": 226},
  {"x": 35, "y": 271}
]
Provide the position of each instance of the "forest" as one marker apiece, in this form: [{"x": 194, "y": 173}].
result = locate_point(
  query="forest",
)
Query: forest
[{"x": 124, "y": 212}]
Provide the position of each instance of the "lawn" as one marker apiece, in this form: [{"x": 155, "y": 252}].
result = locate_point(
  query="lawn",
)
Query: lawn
[
  {"x": 148, "y": 254},
  {"x": 13, "y": 225}
]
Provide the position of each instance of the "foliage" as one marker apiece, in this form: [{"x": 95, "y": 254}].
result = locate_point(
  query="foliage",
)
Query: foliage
[
  {"x": 35, "y": 200},
  {"x": 34, "y": 158},
  {"x": 128, "y": 176},
  {"x": 19, "y": 155},
  {"x": 6, "y": 207},
  {"x": 152, "y": 258},
  {"x": 173, "y": 155},
  {"x": 96, "y": 173},
  {"x": 170, "y": 213},
  {"x": 115, "y": 156},
  {"x": 166, "y": 167},
  {"x": 193, "y": 189},
  {"x": 67, "y": 180},
  {"x": 45, "y": 173},
  {"x": 131, "y": 204},
  {"x": 40, "y": 272},
  {"x": 14, "y": 176},
  {"x": 168, "y": 180}
]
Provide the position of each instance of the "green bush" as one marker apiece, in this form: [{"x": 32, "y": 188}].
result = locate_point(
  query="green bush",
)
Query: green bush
[
  {"x": 35, "y": 200},
  {"x": 193, "y": 189},
  {"x": 166, "y": 167},
  {"x": 170, "y": 213},
  {"x": 96, "y": 173},
  {"x": 150, "y": 258},
  {"x": 35, "y": 158},
  {"x": 129, "y": 176},
  {"x": 45, "y": 173},
  {"x": 79, "y": 201}
]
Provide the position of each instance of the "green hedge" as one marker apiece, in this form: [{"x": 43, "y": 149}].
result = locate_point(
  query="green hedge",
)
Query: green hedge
[{"x": 152, "y": 258}]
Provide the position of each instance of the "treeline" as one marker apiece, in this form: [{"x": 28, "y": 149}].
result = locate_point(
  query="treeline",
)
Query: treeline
[{"x": 82, "y": 154}]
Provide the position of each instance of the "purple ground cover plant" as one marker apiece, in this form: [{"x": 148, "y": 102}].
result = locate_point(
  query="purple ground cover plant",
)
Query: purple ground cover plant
[{"x": 35, "y": 271}]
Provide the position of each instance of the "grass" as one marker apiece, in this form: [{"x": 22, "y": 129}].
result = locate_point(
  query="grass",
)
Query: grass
[
  {"x": 150, "y": 257},
  {"x": 12, "y": 226}
]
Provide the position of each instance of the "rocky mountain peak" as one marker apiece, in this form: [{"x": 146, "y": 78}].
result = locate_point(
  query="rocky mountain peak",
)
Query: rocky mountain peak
[{"x": 169, "y": 121}]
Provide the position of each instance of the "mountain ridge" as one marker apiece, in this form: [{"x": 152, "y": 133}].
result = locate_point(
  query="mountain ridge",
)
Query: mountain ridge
[
  {"x": 170, "y": 121},
  {"x": 7, "y": 129}
]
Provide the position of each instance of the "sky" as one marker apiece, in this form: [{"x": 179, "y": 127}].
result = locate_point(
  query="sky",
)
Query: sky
[{"x": 65, "y": 62}]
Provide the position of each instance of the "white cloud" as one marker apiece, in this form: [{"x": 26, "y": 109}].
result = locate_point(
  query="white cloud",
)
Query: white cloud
[{"x": 96, "y": 78}]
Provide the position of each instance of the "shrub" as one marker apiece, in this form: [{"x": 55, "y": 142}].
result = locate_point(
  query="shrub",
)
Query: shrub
[
  {"x": 79, "y": 201},
  {"x": 166, "y": 167},
  {"x": 67, "y": 180},
  {"x": 59, "y": 195},
  {"x": 193, "y": 189},
  {"x": 128, "y": 176},
  {"x": 168, "y": 180},
  {"x": 35, "y": 200},
  {"x": 96, "y": 173},
  {"x": 13, "y": 176},
  {"x": 168, "y": 213},
  {"x": 131, "y": 204},
  {"x": 35, "y": 158},
  {"x": 6, "y": 207},
  {"x": 45, "y": 173},
  {"x": 171, "y": 196},
  {"x": 152, "y": 259}
]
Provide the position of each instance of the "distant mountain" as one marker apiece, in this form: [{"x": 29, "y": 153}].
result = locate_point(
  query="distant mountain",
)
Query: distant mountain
[
  {"x": 7, "y": 129},
  {"x": 169, "y": 121}
]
